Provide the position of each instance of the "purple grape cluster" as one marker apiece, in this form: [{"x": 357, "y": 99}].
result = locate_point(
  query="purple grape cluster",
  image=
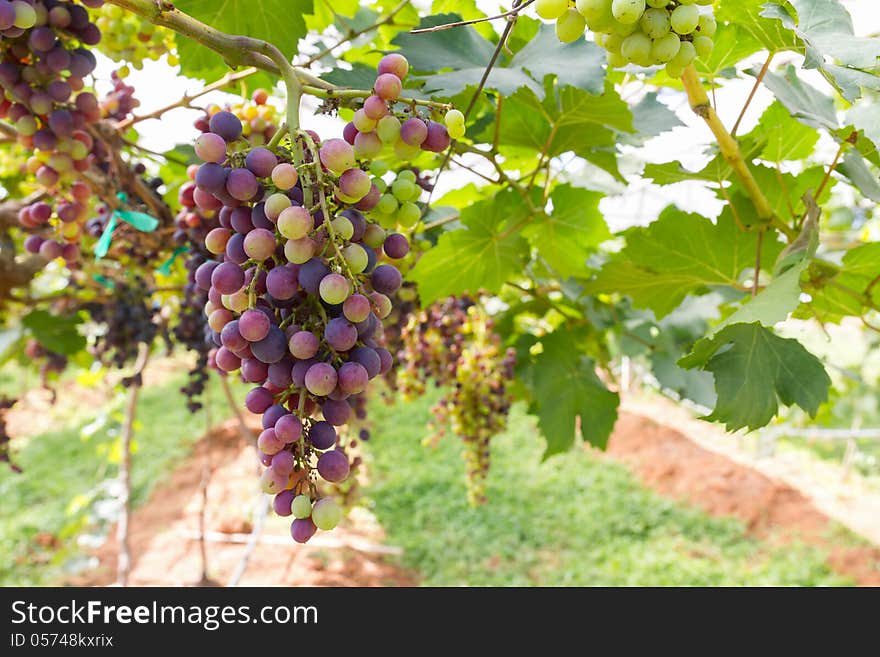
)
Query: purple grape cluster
[
  {"x": 44, "y": 59},
  {"x": 296, "y": 291},
  {"x": 119, "y": 102},
  {"x": 384, "y": 121}
]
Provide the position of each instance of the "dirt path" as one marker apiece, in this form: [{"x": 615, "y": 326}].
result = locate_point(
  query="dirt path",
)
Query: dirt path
[
  {"x": 675, "y": 466},
  {"x": 165, "y": 552}
]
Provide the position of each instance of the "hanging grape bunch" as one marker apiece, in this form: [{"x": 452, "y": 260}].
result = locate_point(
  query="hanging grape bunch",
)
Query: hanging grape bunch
[
  {"x": 130, "y": 38},
  {"x": 452, "y": 343},
  {"x": 43, "y": 62},
  {"x": 641, "y": 32},
  {"x": 297, "y": 291}
]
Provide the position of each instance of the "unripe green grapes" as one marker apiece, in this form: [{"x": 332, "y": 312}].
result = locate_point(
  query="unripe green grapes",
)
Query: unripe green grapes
[
  {"x": 637, "y": 49},
  {"x": 655, "y": 23},
  {"x": 551, "y": 9},
  {"x": 703, "y": 46},
  {"x": 593, "y": 9},
  {"x": 665, "y": 48},
  {"x": 627, "y": 11},
  {"x": 684, "y": 19},
  {"x": 658, "y": 4},
  {"x": 570, "y": 26},
  {"x": 707, "y": 25},
  {"x": 686, "y": 54}
]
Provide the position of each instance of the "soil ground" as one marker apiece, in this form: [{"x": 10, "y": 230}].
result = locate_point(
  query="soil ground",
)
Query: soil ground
[{"x": 166, "y": 552}]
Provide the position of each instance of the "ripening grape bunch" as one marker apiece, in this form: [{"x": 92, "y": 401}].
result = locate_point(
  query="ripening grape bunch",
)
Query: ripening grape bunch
[
  {"x": 453, "y": 344},
  {"x": 132, "y": 39},
  {"x": 642, "y": 32},
  {"x": 297, "y": 288},
  {"x": 259, "y": 119},
  {"x": 387, "y": 123},
  {"x": 127, "y": 319},
  {"x": 397, "y": 206},
  {"x": 44, "y": 60},
  {"x": 119, "y": 102}
]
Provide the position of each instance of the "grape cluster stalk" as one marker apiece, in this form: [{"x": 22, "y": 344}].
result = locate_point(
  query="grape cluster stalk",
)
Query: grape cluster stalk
[
  {"x": 298, "y": 285},
  {"x": 452, "y": 343}
]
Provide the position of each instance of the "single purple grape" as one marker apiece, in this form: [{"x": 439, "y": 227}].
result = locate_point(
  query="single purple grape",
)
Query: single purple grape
[
  {"x": 227, "y": 277},
  {"x": 396, "y": 246},
  {"x": 227, "y": 125},
  {"x": 321, "y": 379},
  {"x": 322, "y": 435},
  {"x": 271, "y": 348},
  {"x": 282, "y": 501},
  {"x": 254, "y": 325},
  {"x": 289, "y": 428},
  {"x": 302, "y": 529},
  {"x": 386, "y": 279},
  {"x": 333, "y": 466},
  {"x": 369, "y": 358},
  {"x": 336, "y": 412},
  {"x": 353, "y": 378},
  {"x": 310, "y": 275},
  {"x": 340, "y": 334},
  {"x": 258, "y": 400},
  {"x": 304, "y": 345},
  {"x": 272, "y": 415},
  {"x": 261, "y": 162}
]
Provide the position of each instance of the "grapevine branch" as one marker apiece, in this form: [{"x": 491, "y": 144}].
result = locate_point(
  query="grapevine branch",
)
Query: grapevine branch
[
  {"x": 752, "y": 93},
  {"x": 186, "y": 99},
  {"x": 731, "y": 152}
]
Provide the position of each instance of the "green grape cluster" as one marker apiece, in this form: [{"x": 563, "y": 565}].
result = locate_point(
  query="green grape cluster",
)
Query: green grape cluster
[
  {"x": 129, "y": 38},
  {"x": 398, "y": 203},
  {"x": 641, "y": 32}
]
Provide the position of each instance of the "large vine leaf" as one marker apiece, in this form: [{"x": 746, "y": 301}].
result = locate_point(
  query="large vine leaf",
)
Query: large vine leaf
[
  {"x": 806, "y": 103},
  {"x": 568, "y": 119},
  {"x": 756, "y": 372},
  {"x": 749, "y": 16},
  {"x": 677, "y": 255},
  {"x": 56, "y": 333},
  {"x": 280, "y": 22},
  {"x": 564, "y": 387},
  {"x": 786, "y": 138},
  {"x": 482, "y": 255},
  {"x": 453, "y": 60},
  {"x": 733, "y": 44},
  {"x": 844, "y": 293},
  {"x": 826, "y": 30},
  {"x": 566, "y": 236}
]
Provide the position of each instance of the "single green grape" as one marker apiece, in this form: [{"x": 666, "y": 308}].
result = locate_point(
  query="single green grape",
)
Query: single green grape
[
  {"x": 592, "y": 9},
  {"x": 665, "y": 48},
  {"x": 627, "y": 11},
  {"x": 637, "y": 49},
  {"x": 616, "y": 60},
  {"x": 703, "y": 46},
  {"x": 407, "y": 174},
  {"x": 707, "y": 25},
  {"x": 655, "y": 23},
  {"x": 551, "y": 9},
  {"x": 686, "y": 54},
  {"x": 570, "y": 26},
  {"x": 624, "y": 29},
  {"x": 301, "y": 507},
  {"x": 684, "y": 19},
  {"x": 408, "y": 215},
  {"x": 612, "y": 43},
  {"x": 674, "y": 71},
  {"x": 387, "y": 204}
]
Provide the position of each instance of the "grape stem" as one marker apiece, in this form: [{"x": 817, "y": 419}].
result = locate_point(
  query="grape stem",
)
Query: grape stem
[
  {"x": 186, "y": 99},
  {"x": 357, "y": 94},
  {"x": 731, "y": 152},
  {"x": 758, "y": 80}
]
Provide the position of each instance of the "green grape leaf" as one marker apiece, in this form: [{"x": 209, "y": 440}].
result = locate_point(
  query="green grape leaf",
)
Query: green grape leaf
[
  {"x": 733, "y": 44},
  {"x": 774, "y": 303},
  {"x": 825, "y": 29},
  {"x": 281, "y": 22},
  {"x": 483, "y": 255},
  {"x": 359, "y": 76},
  {"x": 786, "y": 138},
  {"x": 756, "y": 372},
  {"x": 679, "y": 254},
  {"x": 749, "y": 16},
  {"x": 718, "y": 168},
  {"x": 467, "y": 54},
  {"x": 806, "y": 103},
  {"x": 844, "y": 296},
  {"x": 568, "y": 119},
  {"x": 56, "y": 333},
  {"x": 566, "y": 236},
  {"x": 695, "y": 385},
  {"x": 564, "y": 387},
  {"x": 579, "y": 64},
  {"x": 785, "y": 191},
  {"x": 651, "y": 118},
  {"x": 856, "y": 169}
]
